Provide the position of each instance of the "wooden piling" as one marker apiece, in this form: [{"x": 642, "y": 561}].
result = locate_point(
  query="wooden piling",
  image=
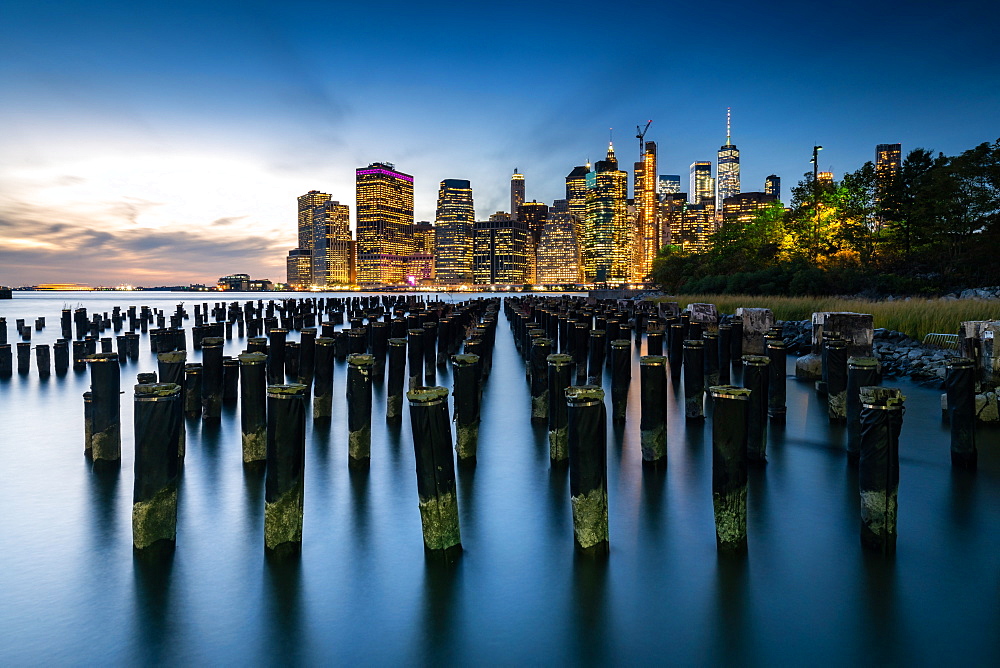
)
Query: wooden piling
[
  {"x": 755, "y": 379},
  {"x": 359, "y": 409},
  {"x": 395, "y": 380},
  {"x": 105, "y": 388},
  {"x": 694, "y": 379},
  {"x": 861, "y": 372},
  {"x": 211, "y": 379},
  {"x": 730, "y": 413},
  {"x": 878, "y": 466},
  {"x": 284, "y": 483},
  {"x": 436, "y": 489},
  {"x": 588, "y": 467},
  {"x": 960, "y": 386},
  {"x": 653, "y": 402},
  {"x": 560, "y": 372},
  {"x": 776, "y": 390},
  {"x": 323, "y": 378},
  {"x": 541, "y": 348},
  {"x": 465, "y": 370},
  {"x": 157, "y": 419},
  {"x": 253, "y": 406}
]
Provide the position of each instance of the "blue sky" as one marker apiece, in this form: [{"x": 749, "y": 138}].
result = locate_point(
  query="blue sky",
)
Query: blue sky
[{"x": 158, "y": 143}]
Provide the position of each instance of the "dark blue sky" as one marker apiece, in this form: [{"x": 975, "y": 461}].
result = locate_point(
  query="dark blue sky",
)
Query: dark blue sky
[{"x": 192, "y": 126}]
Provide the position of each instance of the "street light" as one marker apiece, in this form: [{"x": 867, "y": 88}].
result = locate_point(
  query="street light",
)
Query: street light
[{"x": 815, "y": 162}]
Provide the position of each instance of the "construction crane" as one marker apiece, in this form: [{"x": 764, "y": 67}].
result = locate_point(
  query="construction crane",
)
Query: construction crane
[{"x": 640, "y": 135}]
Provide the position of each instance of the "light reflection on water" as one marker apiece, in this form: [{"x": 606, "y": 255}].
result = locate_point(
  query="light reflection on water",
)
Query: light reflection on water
[{"x": 362, "y": 591}]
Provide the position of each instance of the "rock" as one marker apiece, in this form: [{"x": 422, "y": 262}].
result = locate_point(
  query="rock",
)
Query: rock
[
  {"x": 809, "y": 367},
  {"x": 988, "y": 412}
]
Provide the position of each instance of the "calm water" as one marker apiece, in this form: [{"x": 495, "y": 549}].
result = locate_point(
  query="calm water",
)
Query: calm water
[{"x": 72, "y": 593}]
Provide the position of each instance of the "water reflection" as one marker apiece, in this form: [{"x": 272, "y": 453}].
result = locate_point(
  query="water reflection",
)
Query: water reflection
[
  {"x": 732, "y": 619},
  {"x": 359, "y": 509},
  {"x": 152, "y": 605},
  {"x": 589, "y": 600},
  {"x": 877, "y": 617},
  {"x": 104, "y": 506},
  {"x": 441, "y": 585},
  {"x": 282, "y": 607}
]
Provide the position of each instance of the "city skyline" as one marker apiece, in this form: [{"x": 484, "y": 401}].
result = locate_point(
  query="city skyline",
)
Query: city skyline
[{"x": 161, "y": 144}]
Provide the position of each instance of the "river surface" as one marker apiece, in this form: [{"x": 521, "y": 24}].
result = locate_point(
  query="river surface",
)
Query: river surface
[{"x": 362, "y": 592}]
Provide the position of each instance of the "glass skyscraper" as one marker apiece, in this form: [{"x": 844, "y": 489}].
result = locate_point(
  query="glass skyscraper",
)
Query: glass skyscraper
[
  {"x": 607, "y": 234},
  {"x": 728, "y": 183},
  {"x": 385, "y": 220},
  {"x": 453, "y": 229}
]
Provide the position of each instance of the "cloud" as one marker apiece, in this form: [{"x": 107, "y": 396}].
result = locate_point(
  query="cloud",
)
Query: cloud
[{"x": 35, "y": 249}]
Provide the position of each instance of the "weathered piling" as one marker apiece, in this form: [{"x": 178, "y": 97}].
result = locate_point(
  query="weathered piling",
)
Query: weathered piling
[
  {"x": 736, "y": 340},
  {"x": 878, "y": 466},
  {"x": 653, "y": 401},
  {"x": 43, "y": 360},
  {"x": 654, "y": 343},
  {"x": 395, "y": 380},
  {"x": 132, "y": 338},
  {"x": 694, "y": 379},
  {"x": 380, "y": 348},
  {"x": 157, "y": 418},
  {"x": 595, "y": 363},
  {"x": 960, "y": 386},
  {"x": 621, "y": 378},
  {"x": 675, "y": 349},
  {"x": 836, "y": 380},
  {"x": 581, "y": 336},
  {"x": 776, "y": 384},
  {"x": 861, "y": 372},
  {"x": 284, "y": 482},
  {"x": 725, "y": 354},
  {"x": 560, "y": 371},
  {"x": 755, "y": 379},
  {"x": 292, "y": 359},
  {"x": 211, "y": 379},
  {"x": 145, "y": 378},
  {"x": 755, "y": 324},
  {"x": 105, "y": 387},
  {"x": 60, "y": 356},
  {"x": 588, "y": 467},
  {"x": 23, "y": 358},
  {"x": 79, "y": 355},
  {"x": 730, "y": 414},
  {"x": 467, "y": 378},
  {"x": 359, "y": 409},
  {"x": 436, "y": 490},
  {"x": 711, "y": 340},
  {"x": 430, "y": 352},
  {"x": 323, "y": 378},
  {"x": 230, "y": 379},
  {"x": 6, "y": 361},
  {"x": 253, "y": 406},
  {"x": 541, "y": 348},
  {"x": 415, "y": 358},
  {"x": 192, "y": 390},
  {"x": 276, "y": 356}
]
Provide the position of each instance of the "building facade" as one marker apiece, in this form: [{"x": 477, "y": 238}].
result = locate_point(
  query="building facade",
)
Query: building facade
[
  {"x": 743, "y": 208},
  {"x": 516, "y": 193},
  {"x": 888, "y": 160},
  {"x": 453, "y": 230},
  {"x": 702, "y": 185},
  {"x": 607, "y": 235},
  {"x": 772, "y": 186},
  {"x": 298, "y": 268},
  {"x": 668, "y": 184},
  {"x": 647, "y": 239},
  {"x": 385, "y": 221},
  {"x": 500, "y": 250},
  {"x": 557, "y": 256}
]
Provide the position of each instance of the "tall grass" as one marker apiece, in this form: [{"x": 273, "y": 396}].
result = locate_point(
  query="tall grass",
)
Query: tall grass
[{"x": 915, "y": 317}]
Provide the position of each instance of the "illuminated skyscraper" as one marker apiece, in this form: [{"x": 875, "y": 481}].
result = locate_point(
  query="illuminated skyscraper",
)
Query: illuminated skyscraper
[
  {"x": 824, "y": 177},
  {"x": 453, "y": 229},
  {"x": 607, "y": 238},
  {"x": 500, "y": 250},
  {"x": 385, "y": 219},
  {"x": 647, "y": 233},
  {"x": 672, "y": 207},
  {"x": 702, "y": 185},
  {"x": 728, "y": 183},
  {"x": 298, "y": 268},
  {"x": 668, "y": 184},
  {"x": 516, "y": 193},
  {"x": 333, "y": 257},
  {"x": 888, "y": 158},
  {"x": 576, "y": 191},
  {"x": 772, "y": 186},
  {"x": 558, "y": 253},
  {"x": 743, "y": 208},
  {"x": 533, "y": 215}
]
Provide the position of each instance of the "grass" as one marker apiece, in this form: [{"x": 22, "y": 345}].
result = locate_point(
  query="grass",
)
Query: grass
[{"x": 915, "y": 317}]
